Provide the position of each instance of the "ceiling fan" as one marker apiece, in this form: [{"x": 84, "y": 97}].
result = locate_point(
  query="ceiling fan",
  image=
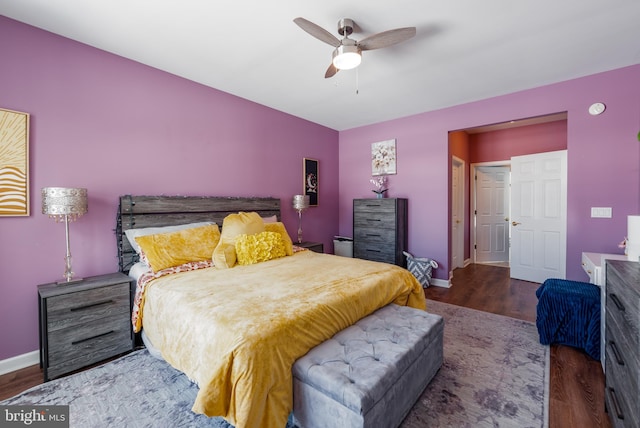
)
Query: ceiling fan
[{"x": 348, "y": 52}]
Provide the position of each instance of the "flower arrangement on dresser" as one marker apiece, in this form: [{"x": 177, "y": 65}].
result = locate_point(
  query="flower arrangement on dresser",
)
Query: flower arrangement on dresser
[{"x": 380, "y": 184}]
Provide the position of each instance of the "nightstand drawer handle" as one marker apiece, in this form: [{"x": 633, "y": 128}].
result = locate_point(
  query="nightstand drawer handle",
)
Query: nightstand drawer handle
[
  {"x": 92, "y": 337},
  {"x": 617, "y": 302},
  {"x": 372, "y": 234},
  {"x": 92, "y": 305},
  {"x": 616, "y": 353},
  {"x": 373, "y": 251},
  {"x": 614, "y": 400}
]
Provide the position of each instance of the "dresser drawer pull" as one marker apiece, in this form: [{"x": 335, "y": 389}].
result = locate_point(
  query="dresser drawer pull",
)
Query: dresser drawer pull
[
  {"x": 616, "y": 354},
  {"x": 92, "y": 337},
  {"x": 92, "y": 305},
  {"x": 373, "y": 251},
  {"x": 373, "y": 219},
  {"x": 373, "y": 234},
  {"x": 614, "y": 400},
  {"x": 617, "y": 302}
]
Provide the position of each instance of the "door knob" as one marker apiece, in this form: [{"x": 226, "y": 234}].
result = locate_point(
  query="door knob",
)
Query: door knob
[{"x": 515, "y": 223}]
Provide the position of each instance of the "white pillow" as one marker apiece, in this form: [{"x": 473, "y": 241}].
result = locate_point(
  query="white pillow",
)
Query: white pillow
[
  {"x": 137, "y": 270},
  {"x": 133, "y": 233}
]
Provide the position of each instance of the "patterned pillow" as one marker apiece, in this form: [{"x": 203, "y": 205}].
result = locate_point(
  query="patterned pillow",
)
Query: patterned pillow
[
  {"x": 279, "y": 227},
  {"x": 259, "y": 247}
]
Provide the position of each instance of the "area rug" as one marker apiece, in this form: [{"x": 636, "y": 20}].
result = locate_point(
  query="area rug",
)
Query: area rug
[{"x": 495, "y": 374}]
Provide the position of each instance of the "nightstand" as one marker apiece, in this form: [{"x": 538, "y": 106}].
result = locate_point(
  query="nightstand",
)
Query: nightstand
[
  {"x": 318, "y": 247},
  {"x": 84, "y": 322}
]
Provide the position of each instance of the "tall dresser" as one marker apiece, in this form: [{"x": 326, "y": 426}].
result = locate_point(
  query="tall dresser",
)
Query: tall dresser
[
  {"x": 380, "y": 230},
  {"x": 623, "y": 343}
]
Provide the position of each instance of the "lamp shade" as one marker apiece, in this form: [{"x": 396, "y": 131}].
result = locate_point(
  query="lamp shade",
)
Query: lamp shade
[
  {"x": 300, "y": 202},
  {"x": 58, "y": 202},
  {"x": 346, "y": 57}
]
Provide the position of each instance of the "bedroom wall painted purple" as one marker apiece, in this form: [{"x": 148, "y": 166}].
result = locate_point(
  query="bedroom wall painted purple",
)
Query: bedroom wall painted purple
[
  {"x": 603, "y": 161},
  {"x": 117, "y": 127},
  {"x": 89, "y": 109}
]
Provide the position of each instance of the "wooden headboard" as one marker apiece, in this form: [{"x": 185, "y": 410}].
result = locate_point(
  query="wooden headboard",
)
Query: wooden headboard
[{"x": 136, "y": 212}]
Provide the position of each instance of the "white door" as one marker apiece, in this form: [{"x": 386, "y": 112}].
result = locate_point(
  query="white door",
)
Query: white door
[
  {"x": 457, "y": 213},
  {"x": 492, "y": 214},
  {"x": 539, "y": 216}
]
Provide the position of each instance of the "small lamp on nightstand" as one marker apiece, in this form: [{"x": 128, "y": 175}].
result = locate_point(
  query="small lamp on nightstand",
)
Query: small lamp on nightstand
[
  {"x": 67, "y": 204},
  {"x": 300, "y": 203}
]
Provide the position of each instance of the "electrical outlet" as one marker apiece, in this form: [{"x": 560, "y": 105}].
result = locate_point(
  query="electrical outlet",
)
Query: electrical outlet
[{"x": 600, "y": 212}]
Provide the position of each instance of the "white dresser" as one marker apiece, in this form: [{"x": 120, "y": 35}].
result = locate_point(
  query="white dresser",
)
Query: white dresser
[{"x": 593, "y": 264}]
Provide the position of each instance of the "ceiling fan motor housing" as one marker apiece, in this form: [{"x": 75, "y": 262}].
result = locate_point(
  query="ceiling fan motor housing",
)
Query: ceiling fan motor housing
[{"x": 345, "y": 26}]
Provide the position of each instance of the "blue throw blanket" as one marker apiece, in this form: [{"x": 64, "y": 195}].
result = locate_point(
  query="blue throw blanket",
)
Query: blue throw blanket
[{"x": 568, "y": 313}]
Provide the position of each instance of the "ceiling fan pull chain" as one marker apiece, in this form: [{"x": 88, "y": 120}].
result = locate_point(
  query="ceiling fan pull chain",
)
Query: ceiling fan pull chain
[{"x": 357, "y": 82}]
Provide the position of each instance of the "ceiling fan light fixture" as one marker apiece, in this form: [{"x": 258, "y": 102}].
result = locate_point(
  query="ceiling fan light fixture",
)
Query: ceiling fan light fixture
[{"x": 347, "y": 57}]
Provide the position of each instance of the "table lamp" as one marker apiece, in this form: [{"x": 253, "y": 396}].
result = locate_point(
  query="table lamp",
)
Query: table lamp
[
  {"x": 68, "y": 204},
  {"x": 300, "y": 203}
]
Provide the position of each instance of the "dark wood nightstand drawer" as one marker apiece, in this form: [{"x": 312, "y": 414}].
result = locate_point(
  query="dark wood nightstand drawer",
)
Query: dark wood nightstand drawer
[
  {"x": 83, "y": 307},
  {"x": 84, "y": 322}
]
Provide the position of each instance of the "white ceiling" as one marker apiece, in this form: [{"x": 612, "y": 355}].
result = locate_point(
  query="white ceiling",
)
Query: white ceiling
[{"x": 464, "y": 50}]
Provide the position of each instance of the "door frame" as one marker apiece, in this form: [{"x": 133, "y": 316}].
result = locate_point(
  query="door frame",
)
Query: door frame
[
  {"x": 460, "y": 164},
  {"x": 473, "y": 204}
]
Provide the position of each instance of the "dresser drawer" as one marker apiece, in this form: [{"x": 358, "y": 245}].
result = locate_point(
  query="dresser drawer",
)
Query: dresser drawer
[
  {"x": 620, "y": 393},
  {"x": 622, "y": 346},
  {"x": 84, "y": 307},
  {"x": 71, "y": 348},
  {"x": 621, "y": 357},
  {"x": 626, "y": 299},
  {"x": 372, "y": 235},
  {"x": 590, "y": 268},
  {"x": 377, "y": 253},
  {"x": 374, "y": 206}
]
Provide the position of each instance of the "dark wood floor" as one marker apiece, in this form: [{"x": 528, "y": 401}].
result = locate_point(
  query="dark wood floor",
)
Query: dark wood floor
[{"x": 576, "y": 380}]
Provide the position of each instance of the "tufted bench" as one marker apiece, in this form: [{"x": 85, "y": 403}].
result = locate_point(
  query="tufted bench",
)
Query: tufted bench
[{"x": 370, "y": 374}]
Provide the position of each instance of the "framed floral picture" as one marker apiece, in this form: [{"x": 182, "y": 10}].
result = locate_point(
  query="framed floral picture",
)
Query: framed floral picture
[
  {"x": 383, "y": 157},
  {"x": 310, "y": 177},
  {"x": 14, "y": 163}
]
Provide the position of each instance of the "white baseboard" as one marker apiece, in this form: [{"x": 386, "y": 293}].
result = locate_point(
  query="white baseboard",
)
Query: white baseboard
[
  {"x": 19, "y": 362},
  {"x": 440, "y": 283}
]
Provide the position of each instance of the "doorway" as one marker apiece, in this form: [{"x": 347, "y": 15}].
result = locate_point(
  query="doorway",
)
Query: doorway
[
  {"x": 495, "y": 145},
  {"x": 491, "y": 197}
]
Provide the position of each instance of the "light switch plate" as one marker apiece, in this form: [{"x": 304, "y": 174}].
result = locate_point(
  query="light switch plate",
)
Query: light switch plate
[{"x": 601, "y": 212}]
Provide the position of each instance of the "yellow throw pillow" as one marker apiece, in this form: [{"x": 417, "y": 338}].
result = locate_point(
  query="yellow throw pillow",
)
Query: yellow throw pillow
[
  {"x": 279, "y": 227},
  {"x": 224, "y": 255},
  {"x": 259, "y": 247},
  {"x": 165, "y": 250}
]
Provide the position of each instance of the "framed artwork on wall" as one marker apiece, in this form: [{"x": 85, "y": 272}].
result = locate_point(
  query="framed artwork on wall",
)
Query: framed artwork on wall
[
  {"x": 383, "y": 157},
  {"x": 310, "y": 177},
  {"x": 14, "y": 163}
]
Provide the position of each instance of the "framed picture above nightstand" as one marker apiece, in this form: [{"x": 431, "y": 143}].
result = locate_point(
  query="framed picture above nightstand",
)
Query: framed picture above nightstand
[
  {"x": 84, "y": 322},
  {"x": 318, "y": 247}
]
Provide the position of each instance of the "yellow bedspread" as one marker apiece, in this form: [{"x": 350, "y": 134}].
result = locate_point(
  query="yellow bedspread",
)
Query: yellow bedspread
[{"x": 237, "y": 332}]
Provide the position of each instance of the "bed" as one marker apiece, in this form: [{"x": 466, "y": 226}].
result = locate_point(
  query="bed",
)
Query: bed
[{"x": 237, "y": 331}]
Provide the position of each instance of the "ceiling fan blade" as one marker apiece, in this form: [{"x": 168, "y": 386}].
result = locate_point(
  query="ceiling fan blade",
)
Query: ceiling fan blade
[
  {"x": 331, "y": 71},
  {"x": 387, "y": 38},
  {"x": 317, "y": 32}
]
